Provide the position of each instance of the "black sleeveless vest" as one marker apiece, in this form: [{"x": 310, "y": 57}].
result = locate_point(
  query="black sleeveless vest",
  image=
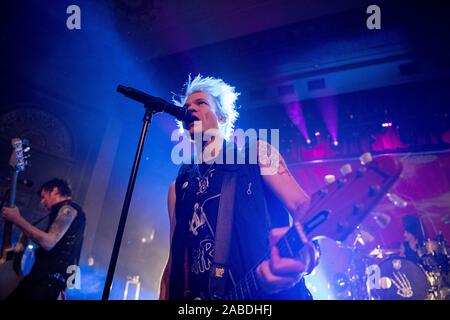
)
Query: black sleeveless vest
[
  {"x": 66, "y": 252},
  {"x": 257, "y": 210}
]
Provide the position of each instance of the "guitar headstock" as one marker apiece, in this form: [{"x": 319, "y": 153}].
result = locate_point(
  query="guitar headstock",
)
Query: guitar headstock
[
  {"x": 19, "y": 155},
  {"x": 339, "y": 207}
]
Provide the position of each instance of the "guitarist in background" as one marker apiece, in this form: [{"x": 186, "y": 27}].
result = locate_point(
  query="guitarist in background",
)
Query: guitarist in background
[
  {"x": 193, "y": 203},
  {"x": 60, "y": 245}
]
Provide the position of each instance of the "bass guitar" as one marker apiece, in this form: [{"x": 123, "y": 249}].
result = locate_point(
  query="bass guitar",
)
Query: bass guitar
[
  {"x": 11, "y": 256},
  {"x": 335, "y": 212}
]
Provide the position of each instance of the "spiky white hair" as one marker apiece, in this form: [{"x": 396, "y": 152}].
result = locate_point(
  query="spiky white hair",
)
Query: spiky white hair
[{"x": 224, "y": 95}]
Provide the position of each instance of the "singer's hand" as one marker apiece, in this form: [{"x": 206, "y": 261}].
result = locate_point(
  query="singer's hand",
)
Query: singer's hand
[
  {"x": 11, "y": 214},
  {"x": 279, "y": 273}
]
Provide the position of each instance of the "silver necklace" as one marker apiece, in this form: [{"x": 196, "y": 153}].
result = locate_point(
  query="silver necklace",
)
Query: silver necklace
[{"x": 203, "y": 179}]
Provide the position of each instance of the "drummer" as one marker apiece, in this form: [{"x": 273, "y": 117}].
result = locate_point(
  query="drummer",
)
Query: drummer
[{"x": 414, "y": 236}]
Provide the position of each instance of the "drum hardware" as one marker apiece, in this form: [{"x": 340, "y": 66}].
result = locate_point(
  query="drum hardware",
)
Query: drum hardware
[
  {"x": 382, "y": 274},
  {"x": 380, "y": 253},
  {"x": 442, "y": 244},
  {"x": 354, "y": 279},
  {"x": 435, "y": 261},
  {"x": 433, "y": 255}
]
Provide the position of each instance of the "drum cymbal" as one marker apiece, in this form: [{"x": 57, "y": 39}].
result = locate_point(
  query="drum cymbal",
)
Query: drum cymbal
[{"x": 379, "y": 252}]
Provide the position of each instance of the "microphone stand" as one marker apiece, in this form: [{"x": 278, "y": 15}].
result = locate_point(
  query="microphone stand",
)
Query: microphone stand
[{"x": 149, "y": 111}]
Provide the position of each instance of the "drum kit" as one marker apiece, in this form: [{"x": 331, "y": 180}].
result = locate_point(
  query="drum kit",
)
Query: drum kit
[
  {"x": 383, "y": 274},
  {"x": 351, "y": 272}
]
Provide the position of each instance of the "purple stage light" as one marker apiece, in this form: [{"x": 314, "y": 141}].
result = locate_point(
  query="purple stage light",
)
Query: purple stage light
[
  {"x": 328, "y": 109},
  {"x": 295, "y": 113}
]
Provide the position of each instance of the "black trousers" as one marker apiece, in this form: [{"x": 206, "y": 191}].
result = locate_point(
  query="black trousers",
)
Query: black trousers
[{"x": 46, "y": 288}]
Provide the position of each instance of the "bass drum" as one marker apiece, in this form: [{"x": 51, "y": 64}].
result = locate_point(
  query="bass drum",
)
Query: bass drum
[{"x": 398, "y": 279}]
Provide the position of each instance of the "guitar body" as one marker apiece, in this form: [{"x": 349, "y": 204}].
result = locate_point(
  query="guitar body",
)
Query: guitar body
[{"x": 9, "y": 279}]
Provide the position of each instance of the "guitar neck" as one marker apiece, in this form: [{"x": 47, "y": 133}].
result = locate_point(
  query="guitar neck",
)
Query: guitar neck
[
  {"x": 248, "y": 288},
  {"x": 7, "y": 226},
  {"x": 335, "y": 211},
  {"x": 12, "y": 195}
]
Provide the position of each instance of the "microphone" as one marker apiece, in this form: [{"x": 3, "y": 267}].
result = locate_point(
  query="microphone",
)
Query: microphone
[{"x": 157, "y": 104}]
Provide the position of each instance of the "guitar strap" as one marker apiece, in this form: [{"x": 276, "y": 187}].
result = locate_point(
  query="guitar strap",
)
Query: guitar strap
[{"x": 219, "y": 270}]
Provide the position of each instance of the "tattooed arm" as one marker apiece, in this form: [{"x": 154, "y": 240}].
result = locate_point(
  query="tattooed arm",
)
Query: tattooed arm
[
  {"x": 47, "y": 240},
  {"x": 276, "y": 175},
  {"x": 279, "y": 273}
]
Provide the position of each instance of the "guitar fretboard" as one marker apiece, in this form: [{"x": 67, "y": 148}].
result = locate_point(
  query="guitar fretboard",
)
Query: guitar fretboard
[{"x": 248, "y": 288}]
